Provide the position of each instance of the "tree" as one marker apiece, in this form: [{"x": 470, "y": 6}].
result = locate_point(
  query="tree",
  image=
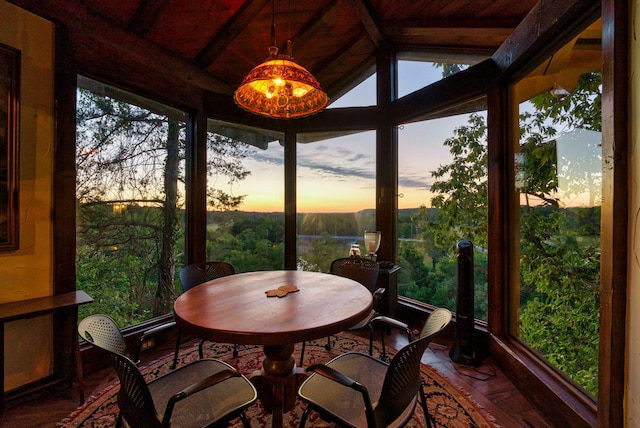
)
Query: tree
[
  {"x": 559, "y": 258},
  {"x": 128, "y": 179},
  {"x": 461, "y": 188}
]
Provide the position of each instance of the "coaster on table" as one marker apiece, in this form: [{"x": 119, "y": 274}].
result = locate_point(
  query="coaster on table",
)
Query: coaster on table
[
  {"x": 282, "y": 291},
  {"x": 275, "y": 293},
  {"x": 289, "y": 288}
]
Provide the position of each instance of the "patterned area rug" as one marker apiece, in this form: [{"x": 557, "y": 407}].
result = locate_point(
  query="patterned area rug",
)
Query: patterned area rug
[{"x": 448, "y": 407}]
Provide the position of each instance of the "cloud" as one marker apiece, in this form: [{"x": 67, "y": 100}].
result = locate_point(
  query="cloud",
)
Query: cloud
[{"x": 340, "y": 162}]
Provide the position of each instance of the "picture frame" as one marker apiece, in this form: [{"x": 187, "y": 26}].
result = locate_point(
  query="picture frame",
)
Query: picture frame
[{"x": 9, "y": 127}]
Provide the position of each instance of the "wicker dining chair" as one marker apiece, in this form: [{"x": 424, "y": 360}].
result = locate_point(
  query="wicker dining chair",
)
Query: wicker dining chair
[
  {"x": 196, "y": 274},
  {"x": 204, "y": 393},
  {"x": 358, "y": 390},
  {"x": 366, "y": 272},
  {"x": 102, "y": 331}
]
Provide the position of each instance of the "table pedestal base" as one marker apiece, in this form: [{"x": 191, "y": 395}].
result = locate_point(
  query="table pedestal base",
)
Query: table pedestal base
[{"x": 278, "y": 381}]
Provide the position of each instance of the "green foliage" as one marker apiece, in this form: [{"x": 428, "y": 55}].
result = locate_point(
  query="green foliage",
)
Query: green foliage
[
  {"x": 111, "y": 288},
  {"x": 561, "y": 322},
  {"x": 316, "y": 253},
  {"x": 461, "y": 188},
  {"x": 449, "y": 69},
  {"x": 559, "y": 257},
  {"x": 438, "y": 285},
  {"x": 581, "y": 108},
  {"x": 129, "y": 225}
]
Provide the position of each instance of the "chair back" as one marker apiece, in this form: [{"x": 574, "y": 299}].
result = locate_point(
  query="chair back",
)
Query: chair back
[
  {"x": 365, "y": 271},
  {"x": 197, "y": 273},
  {"x": 103, "y": 332},
  {"x": 134, "y": 398},
  {"x": 403, "y": 379}
]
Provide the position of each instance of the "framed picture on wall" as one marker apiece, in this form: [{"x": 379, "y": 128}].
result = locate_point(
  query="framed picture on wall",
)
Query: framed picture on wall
[{"x": 9, "y": 104}]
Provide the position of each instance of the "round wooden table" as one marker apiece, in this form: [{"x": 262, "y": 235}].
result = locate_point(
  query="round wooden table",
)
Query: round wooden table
[{"x": 236, "y": 309}]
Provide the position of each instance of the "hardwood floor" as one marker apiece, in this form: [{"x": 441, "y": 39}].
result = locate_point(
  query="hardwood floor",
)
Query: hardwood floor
[{"x": 486, "y": 384}]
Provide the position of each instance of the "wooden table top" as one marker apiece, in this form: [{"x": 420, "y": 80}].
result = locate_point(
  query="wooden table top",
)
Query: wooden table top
[{"x": 235, "y": 308}]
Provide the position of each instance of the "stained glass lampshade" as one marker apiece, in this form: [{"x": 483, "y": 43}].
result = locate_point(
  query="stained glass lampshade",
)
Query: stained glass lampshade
[{"x": 280, "y": 88}]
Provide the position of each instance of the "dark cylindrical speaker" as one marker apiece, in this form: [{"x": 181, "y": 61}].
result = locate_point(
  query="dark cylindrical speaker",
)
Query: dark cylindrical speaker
[{"x": 463, "y": 350}]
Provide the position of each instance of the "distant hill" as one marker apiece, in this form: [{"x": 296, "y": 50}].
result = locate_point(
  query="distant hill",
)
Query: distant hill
[{"x": 335, "y": 224}]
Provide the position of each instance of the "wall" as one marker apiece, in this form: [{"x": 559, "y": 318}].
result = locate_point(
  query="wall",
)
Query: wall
[
  {"x": 632, "y": 381},
  {"x": 27, "y": 273}
]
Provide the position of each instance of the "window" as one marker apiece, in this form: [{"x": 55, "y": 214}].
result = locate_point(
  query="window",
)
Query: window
[
  {"x": 442, "y": 200},
  {"x": 362, "y": 95},
  {"x": 130, "y": 166},
  {"x": 442, "y": 186},
  {"x": 414, "y": 75},
  {"x": 558, "y": 179},
  {"x": 245, "y": 197},
  {"x": 336, "y": 197}
]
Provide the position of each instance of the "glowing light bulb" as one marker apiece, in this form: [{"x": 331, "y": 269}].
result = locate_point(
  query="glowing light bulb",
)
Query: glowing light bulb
[
  {"x": 270, "y": 92},
  {"x": 299, "y": 92},
  {"x": 278, "y": 81}
]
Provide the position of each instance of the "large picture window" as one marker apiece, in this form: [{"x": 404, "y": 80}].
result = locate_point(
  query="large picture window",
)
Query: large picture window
[
  {"x": 442, "y": 201},
  {"x": 442, "y": 196},
  {"x": 130, "y": 200},
  {"x": 336, "y": 197},
  {"x": 245, "y": 196},
  {"x": 558, "y": 179}
]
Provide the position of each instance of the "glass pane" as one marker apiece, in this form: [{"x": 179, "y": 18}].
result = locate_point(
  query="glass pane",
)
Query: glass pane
[
  {"x": 130, "y": 167},
  {"x": 245, "y": 180},
  {"x": 442, "y": 200},
  {"x": 336, "y": 197},
  {"x": 558, "y": 178},
  {"x": 414, "y": 75},
  {"x": 362, "y": 95}
]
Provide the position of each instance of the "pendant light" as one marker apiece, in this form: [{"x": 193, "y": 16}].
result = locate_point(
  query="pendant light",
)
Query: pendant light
[{"x": 280, "y": 88}]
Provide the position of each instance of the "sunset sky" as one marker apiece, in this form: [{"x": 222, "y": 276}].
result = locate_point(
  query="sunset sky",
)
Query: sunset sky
[{"x": 338, "y": 175}]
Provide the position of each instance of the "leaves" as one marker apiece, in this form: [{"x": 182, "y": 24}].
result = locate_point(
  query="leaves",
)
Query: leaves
[
  {"x": 559, "y": 259},
  {"x": 130, "y": 162}
]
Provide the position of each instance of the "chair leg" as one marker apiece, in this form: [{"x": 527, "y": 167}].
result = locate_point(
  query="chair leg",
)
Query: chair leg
[
  {"x": 177, "y": 351},
  {"x": 303, "y": 418},
  {"x": 423, "y": 403},
  {"x": 302, "y": 353},
  {"x": 201, "y": 348},
  {"x": 328, "y": 345},
  {"x": 235, "y": 350},
  {"x": 370, "y": 340},
  {"x": 384, "y": 348},
  {"x": 245, "y": 422}
]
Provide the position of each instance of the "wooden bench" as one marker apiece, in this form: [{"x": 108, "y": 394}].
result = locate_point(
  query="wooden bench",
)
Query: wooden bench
[{"x": 61, "y": 304}]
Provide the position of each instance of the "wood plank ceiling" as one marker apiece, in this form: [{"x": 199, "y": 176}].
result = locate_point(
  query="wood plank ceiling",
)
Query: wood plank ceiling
[{"x": 334, "y": 39}]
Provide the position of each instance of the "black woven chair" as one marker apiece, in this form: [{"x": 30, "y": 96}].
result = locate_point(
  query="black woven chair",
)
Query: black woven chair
[
  {"x": 204, "y": 393},
  {"x": 357, "y": 390},
  {"x": 196, "y": 274},
  {"x": 102, "y": 331},
  {"x": 366, "y": 272}
]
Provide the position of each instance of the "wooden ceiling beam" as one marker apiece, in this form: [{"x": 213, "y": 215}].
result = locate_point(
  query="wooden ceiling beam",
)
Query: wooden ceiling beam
[
  {"x": 452, "y": 33},
  {"x": 146, "y": 16},
  {"x": 458, "y": 54},
  {"x": 114, "y": 55},
  {"x": 451, "y": 24},
  {"x": 549, "y": 25},
  {"x": 370, "y": 22},
  {"x": 464, "y": 87},
  {"x": 341, "y": 86},
  {"x": 228, "y": 33},
  {"x": 314, "y": 27}
]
